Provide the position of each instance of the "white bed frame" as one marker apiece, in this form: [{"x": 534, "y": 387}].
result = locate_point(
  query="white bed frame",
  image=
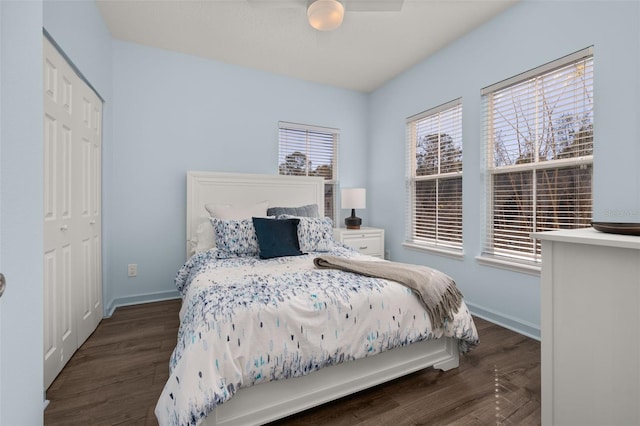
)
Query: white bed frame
[{"x": 270, "y": 401}]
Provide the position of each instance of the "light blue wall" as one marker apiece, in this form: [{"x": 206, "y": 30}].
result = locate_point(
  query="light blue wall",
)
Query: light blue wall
[
  {"x": 525, "y": 36},
  {"x": 21, "y": 207},
  {"x": 78, "y": 28},
  {"x": 174, "y": 113}
]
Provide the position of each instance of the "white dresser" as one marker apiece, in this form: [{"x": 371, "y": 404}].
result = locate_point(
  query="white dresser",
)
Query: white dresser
[
  {"x": 590, "y": 328},
  {"x": 366, "y": 240}
]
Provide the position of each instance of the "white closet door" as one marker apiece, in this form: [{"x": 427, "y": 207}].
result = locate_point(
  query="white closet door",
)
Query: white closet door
[
  {"x": 72, "y": 187},
  {"x": 60, "y": 336},
  {"x": 89, "y": 289}
]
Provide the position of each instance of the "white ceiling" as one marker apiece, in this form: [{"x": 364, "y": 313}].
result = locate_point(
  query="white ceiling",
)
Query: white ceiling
[{"x": 369, "y": 49}]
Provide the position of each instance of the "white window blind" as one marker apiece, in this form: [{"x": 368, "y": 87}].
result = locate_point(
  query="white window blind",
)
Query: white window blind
[
  {"x": 539, "y": 153},
  {"x": 306, "y": 150},
  {"x": 434, "y": 177}
]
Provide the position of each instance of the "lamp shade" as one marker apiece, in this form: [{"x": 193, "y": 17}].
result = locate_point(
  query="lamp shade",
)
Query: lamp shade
[
  {"x": 325, "y": 15},
  {"x": 354, "y": 198}
]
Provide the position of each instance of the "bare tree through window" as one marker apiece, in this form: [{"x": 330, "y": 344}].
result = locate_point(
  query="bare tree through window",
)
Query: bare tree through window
[
  {"x": 540, "y": 156},
  {"x": 310, "y": 151},
  {"x": 435, "y": 176}
]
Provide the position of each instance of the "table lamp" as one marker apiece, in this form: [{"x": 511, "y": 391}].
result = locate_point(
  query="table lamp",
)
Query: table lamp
[{"x": 353, "y": 198}]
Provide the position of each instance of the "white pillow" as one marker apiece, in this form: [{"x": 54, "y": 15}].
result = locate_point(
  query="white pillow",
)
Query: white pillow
[
  {"x": 205, "y": 236},
  {"x": 230, "y": 212}
]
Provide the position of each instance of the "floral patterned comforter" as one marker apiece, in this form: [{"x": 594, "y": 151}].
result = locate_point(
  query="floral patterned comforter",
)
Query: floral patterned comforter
[{"x": 245, "y": 321}]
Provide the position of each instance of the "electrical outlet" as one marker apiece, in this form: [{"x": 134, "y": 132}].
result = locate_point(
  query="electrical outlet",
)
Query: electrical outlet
[{"x": 132, "y": 270}]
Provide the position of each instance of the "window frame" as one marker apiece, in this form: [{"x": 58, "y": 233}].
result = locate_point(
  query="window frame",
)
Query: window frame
[
  {"x": 527, "y": 262},
  {"x": 330, "y": 209},
  {"x": 439, "y": 243}
]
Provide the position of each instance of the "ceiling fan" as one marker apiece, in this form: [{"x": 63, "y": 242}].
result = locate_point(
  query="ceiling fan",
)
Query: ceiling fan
[{"x": 327, "y": 15}]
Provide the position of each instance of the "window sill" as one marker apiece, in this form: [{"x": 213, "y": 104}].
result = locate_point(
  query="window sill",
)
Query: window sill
[
  {"x": 455, "y": 254},
  {"x": 495, "y": 262}
]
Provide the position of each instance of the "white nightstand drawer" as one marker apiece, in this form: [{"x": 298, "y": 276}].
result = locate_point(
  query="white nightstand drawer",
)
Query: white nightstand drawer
[
  {"x": 365, "y": 245},
  {"x": 366, "y": 240}
]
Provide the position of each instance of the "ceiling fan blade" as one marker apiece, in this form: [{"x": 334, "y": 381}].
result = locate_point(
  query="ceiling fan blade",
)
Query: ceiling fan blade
[
  {"x": 350, "y": 5},
  {"x": 373, "y": 5},
  {"x": 277, "y": 4}
]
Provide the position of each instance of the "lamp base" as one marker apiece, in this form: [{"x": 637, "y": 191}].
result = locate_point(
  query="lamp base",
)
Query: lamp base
[{"x": 352, "y": 222}]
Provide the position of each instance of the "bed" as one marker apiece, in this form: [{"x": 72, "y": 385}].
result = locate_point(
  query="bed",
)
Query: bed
[{"x": 312, "y": 339}]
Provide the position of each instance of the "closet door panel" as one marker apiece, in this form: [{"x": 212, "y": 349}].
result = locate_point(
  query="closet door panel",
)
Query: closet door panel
[
  {"x": 60, "y": 339},
  {"x": 90, "y": 287},
  {"x": 52, "y": 349},
  {"x": 83, "y": 301},
  {"x": 95, "y": 221}
]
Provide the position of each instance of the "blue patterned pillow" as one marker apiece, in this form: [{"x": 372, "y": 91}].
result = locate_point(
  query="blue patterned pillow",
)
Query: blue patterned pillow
[
  {"x": 237, "y": 237},
  {"x": 314, "y": 233}
]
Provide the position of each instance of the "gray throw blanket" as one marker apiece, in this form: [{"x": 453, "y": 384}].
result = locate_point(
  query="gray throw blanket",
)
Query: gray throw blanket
[{"x": 436, "y": 290}]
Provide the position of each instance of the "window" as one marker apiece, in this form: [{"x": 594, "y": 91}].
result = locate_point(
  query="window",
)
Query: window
[
  {"x": 310, "y": 151},
  {"x": 539, "y": 133},
  {"x": 434, "y": 169}
]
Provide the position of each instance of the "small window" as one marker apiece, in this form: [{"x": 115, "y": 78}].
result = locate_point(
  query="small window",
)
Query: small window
[
  {"x": 434, "y": 169},
  {"x": 539, "y": 155},
  {"x": 310, "y": 151}
]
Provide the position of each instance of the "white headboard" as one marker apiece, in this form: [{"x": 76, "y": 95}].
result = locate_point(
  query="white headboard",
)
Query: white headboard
[{"x": 245, "y": 189}]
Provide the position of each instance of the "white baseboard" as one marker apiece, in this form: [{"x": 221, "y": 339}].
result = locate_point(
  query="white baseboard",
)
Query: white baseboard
[
  {"x": 138, "y": 300},
  {"x": 514, "y": 324}
]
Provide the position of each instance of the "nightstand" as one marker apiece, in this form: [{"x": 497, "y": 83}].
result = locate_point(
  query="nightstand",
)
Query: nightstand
[{"x": 366, "y": 240}]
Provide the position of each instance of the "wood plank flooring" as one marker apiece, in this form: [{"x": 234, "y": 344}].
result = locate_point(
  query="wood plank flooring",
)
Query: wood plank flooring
[{"x": 115, "y": 378}]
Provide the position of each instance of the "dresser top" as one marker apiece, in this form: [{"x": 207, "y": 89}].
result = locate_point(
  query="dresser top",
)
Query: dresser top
[{"x": 590, "y": 236}]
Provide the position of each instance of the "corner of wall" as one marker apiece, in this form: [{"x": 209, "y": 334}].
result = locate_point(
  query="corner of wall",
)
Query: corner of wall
[
  {"x": 138, "y": 299},
  {"x": 514, "y": 324}
]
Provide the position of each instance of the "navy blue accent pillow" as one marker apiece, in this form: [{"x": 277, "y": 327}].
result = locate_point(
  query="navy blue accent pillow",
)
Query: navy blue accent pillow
[
  {"x": 310, "y": 210},
  {"x": 277, "y": 237}
]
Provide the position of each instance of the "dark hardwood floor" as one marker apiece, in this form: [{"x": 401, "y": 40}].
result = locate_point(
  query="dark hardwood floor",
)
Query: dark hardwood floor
[{"x": 116, "y": 377}]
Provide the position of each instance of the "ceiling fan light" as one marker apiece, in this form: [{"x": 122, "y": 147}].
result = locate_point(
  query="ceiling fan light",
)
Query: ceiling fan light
[{"x": 325, "y": 15}]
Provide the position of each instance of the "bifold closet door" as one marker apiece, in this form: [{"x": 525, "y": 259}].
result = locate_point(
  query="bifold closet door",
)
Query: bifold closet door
[
  {"x": 72, "y": 186},
  {"x": 89, "y": 289}
]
